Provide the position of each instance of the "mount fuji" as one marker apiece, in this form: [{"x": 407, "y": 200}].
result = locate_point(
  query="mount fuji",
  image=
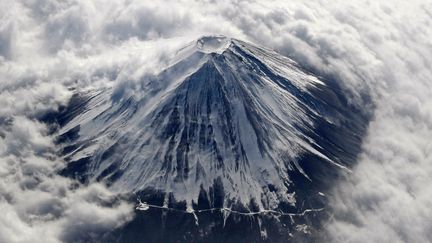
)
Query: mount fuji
[{"x": 225, "y": 125}]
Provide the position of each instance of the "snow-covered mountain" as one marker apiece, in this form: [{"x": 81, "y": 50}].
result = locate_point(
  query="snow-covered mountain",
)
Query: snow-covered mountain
[{"x": 224, "y": 116}]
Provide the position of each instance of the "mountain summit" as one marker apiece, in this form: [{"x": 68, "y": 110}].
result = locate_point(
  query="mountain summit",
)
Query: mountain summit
[
  {"x": 213, "y": 44},
  {"x": 227, "y": 122}
]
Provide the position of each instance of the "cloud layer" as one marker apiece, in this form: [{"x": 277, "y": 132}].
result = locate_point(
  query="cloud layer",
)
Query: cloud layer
[{"x": 383, "y": 48}]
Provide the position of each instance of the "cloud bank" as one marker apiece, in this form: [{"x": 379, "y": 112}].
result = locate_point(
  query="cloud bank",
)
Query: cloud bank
[{"x": 381, "y": 48}]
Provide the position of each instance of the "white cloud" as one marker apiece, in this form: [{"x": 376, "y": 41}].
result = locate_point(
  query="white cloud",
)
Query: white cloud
[{"x": 382, "y": 47}]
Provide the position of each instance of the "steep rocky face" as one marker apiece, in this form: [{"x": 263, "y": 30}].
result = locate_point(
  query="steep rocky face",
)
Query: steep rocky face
[{"x": 224, "y": 116}]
